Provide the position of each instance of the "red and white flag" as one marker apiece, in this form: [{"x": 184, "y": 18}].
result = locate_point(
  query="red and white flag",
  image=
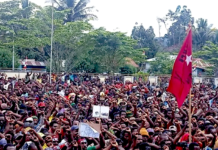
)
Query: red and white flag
[{"x": 181, "y": 78}]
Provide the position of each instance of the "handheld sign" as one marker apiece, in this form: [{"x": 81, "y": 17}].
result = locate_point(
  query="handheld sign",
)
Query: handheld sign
[
  {"x": 87, "y": 131},
  {"x": 100, "y": 111},
  {"x": 128, "y": 78}
]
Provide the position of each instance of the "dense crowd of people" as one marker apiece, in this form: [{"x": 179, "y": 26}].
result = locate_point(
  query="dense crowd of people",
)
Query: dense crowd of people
[{"x": 37, "y": 115}]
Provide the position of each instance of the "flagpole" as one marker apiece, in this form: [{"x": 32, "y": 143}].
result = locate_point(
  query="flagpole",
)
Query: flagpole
[
  {"x": 52, "y": 32},
  {"x": 190, "y": 105},
  {"x": 190, "y": 117}
]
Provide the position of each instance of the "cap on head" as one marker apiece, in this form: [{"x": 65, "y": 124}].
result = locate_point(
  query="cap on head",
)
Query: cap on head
[
  {"x": 41, "y": 104},
  {"x": 143, "y": 131},
  {"x": 173, "y": 128},
  {"x": 74, "y": 127},
  {"x": 150, "y": 130},
  {"x": 34, "y": 117},
  {"x": 29, "y": 119},
  {"x": 3, "y": 142}
]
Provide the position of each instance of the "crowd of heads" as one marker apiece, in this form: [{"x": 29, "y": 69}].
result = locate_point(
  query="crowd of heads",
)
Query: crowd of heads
[{"x": 36, "y": 114}]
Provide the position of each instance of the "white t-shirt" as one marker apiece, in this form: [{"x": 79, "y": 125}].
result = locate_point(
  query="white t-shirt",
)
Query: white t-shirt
[
  {"x": 6, "y": 86},
  {"x": 63, "y": 78},
  {"x": 61, "y": 93}
]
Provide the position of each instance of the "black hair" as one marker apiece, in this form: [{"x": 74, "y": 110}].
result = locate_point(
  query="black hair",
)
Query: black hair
[
  {"x": 192, "y": 145},
  {"x": 44, "y": 130},
  {"x": 209, "y": 128},
  {"x": 122, "y": 111},
  {"x": 7, "y": 145},
  {"x": 60, "y": 114},
  {"x": 53, "y": 122},
  {"x": 182, "y": 144},
  {"x": 144, "y": 146},
  {"x": 201, "y": 119},
  {"x": 132, "y": 129},
  {"x": 194, "y": 116},
  {"x": 11, "y": 133},
  {"x": 169, "y": 109}
]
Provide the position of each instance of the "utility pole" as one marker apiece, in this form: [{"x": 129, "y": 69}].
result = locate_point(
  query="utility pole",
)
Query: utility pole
[{"x": 52, "y": 32}]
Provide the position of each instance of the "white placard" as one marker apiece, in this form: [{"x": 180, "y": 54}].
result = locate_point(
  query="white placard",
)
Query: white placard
[
  {"x": 153, "y": 79},
  {"x": 216, "y": 82},
  {"x": 100, "y": 111},
  {"x": 86, "y": 131},
  {"x": 96, "y": 111},
  {"x": 128, "y": 78},
  {"x": 104, "y": 112},
  {"x": 197, "y": 80},
  {"x": 102, "y": 79}
]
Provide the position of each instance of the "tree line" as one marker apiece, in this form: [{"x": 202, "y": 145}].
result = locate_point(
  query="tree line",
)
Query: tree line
[
  {"x": 175, "y": 23},
  {"x": 27, "y": 27}
]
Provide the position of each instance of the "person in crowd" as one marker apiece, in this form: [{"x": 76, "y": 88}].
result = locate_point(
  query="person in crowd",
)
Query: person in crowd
[{"x": 38, "y": 115}]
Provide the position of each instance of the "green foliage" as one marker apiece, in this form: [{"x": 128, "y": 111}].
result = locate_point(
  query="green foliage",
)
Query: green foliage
[
  {"x": 215, "y": 36},
  {"x": 210, "y": 71},
  {"x": 106, "y": 51},
  {"x": 209, "y": 53},
  {"x": 202, "y": 33},
  {"x": 77, "y": 10},
  {"x": 142, "y": 75},
  {"x": 162, "y": 64},
  {"x": 22, "y": 29},
  {"x": 146, "y": 40},
  {"x": 128, "y": 69},
  {"x": 6, "y": 59},
  {"x": 176, "y": 32},
  {"x": 27, "y": 27}
]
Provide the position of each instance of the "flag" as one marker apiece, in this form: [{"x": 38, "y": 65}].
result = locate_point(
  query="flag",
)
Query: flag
[{"x": 181, "y": 78}]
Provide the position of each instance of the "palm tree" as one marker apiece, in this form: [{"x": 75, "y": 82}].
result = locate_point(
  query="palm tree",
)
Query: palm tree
[
  {"x": 202, "y": 33},
  {"x": 24, "y": 3},
  {"x": 78, "y": 9},
  {"x": 215, "y": 37}
]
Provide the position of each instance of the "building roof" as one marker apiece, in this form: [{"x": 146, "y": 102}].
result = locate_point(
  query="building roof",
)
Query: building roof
[
  {"x": 171, "y": 57},
  {"x": 131, "y": 62},
  {"x": 196, "y": 62},
  {"x": 199, "y": 63},
  {"x": 32, "y": 62}
]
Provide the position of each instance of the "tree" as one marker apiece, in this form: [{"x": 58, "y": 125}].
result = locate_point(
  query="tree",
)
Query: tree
[
  {"x": 6, "y": 59},
  {"x": 112, "y": 48},
  {"x": 71, "y": 43},
  {"x": 21, "y": 29},
  {"x": 202, "y": 33},
  {"x": 106, "y": 52},
  {"x": 128, "y": 69},
  {"x": 215, "y": 36},
  {"x": 179, "y": 20},
  {"x": 76, "y": 10},
  {"x": 146, "y": 39},
  {"x": 162, "y": 64},
  {"x": 209, "y": 53}
]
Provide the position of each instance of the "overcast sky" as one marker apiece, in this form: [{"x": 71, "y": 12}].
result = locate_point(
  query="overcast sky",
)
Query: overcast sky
[{"x": 122, "y": 15}]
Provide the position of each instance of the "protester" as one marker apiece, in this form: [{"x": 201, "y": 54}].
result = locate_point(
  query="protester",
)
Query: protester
[{"x": 35, "y": 114}]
